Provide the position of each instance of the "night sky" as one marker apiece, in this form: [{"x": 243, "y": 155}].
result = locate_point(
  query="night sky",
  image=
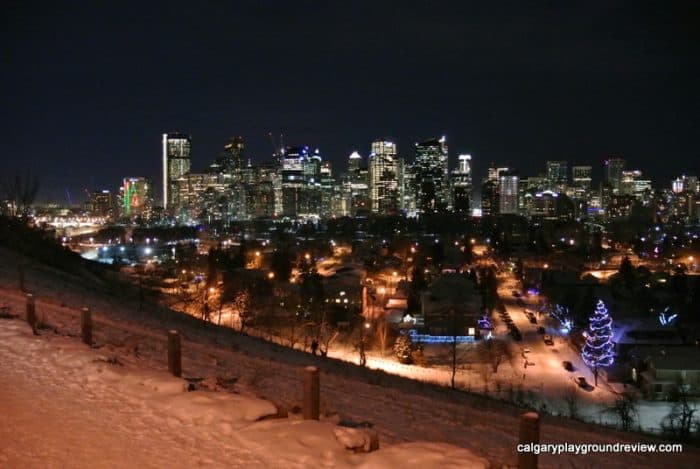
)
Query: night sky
[{"x": 88, "y": 89}]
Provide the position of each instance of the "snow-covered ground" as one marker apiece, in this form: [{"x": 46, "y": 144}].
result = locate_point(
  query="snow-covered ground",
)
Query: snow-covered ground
[
  {"x": 65, "y": 405},
  {"x": 400, "y": 410}
]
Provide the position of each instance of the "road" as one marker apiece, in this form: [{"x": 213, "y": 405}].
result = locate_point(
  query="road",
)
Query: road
[{"x": 545, "y": 365}]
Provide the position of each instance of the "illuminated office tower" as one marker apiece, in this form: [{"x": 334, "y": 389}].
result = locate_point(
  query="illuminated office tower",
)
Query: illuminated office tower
[
  {"x": 613, "y": 168},
  {"x": 557, "y": 175},
  {"x": 508, "y": 192},
  {"x": 383, "y": 178},
  {"x": 430, "y": 176},
  {"x": 407, "y": 195},
  {"x": 136, "y": 197},
  {"x": 357, "y": 185},
  {"x": 101, "y": 203},
  {"x": 176, "y": 162},
  {"x": 490, "y": 191},
  {"x": 327, "y": 182},
  {"x": 494, "y": 173},
  {"x": 581, "y": 178},
  {"x": 462, "y": 185},
  {"x": 293, "y": 181},
  {"x": 234, "y": 158}
]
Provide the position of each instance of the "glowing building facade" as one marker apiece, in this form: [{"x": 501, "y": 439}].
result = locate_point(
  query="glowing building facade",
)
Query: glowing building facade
[
  {"x": 383, "y": 178},
  {"x": 176, "y": 163},
  {"x": 136, "y": 197}
]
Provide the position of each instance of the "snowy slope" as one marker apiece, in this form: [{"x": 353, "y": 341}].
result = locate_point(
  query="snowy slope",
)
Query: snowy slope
[
  {"x": 65, "y": 405},
  {"x": 401, "y": 410}
]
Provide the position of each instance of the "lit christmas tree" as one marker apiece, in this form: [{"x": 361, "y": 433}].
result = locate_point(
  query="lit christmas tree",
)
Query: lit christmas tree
[
  {"x": 599, "y": 348},
  {"x": 403, "y": 348}
]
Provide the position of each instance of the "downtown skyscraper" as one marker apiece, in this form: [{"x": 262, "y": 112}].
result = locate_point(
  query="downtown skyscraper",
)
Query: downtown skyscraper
[
  {"x": 462, "y": 185},
  {"x": 176, "y": 163},
  {"x": 431, "y": 183},
  {"x": 383, "y": 177}
]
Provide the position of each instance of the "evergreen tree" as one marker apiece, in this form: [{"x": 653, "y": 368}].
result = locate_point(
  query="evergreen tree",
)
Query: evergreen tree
[{"x": 598, "y": 349}]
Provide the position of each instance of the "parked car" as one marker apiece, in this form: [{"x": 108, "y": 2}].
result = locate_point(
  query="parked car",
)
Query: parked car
[
  {"x": 548, "y": 339},
  {"x": 581, "y": 381},
  {"x": 568, "y": 366}
]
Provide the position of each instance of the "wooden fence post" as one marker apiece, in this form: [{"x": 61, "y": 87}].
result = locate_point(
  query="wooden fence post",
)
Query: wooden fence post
[
  {"x": 86, "y": 325},
  {"x": 311, "y": 393},
  {"x": 174, "y": 353},
  {"x": 31, "y": 312},
  {"x": 529, "y": 433}
]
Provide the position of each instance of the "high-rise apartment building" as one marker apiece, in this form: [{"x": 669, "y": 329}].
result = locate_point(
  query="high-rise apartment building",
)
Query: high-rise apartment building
[
  {"x": 383, "y": 177},
  {"x": 430, "y": 176},
  {"x": 176, "y": 162}
]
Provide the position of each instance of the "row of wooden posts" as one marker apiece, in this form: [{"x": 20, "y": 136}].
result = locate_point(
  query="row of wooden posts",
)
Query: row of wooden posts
[{"x": 529, "y": 421}]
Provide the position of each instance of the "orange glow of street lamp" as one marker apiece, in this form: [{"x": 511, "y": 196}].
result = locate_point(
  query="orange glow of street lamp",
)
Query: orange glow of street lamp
[{"x": 271, "y": 275}]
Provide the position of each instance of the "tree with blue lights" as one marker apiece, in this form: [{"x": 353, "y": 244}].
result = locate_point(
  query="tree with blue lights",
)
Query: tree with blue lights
[{"x": 599, "y": 348}]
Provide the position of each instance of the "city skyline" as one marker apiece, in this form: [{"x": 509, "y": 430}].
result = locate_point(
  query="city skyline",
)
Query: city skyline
[{"x": 91, "y": 93}]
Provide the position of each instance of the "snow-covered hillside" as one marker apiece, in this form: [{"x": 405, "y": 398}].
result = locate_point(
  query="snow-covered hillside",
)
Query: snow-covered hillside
[
  {"x": 65, "y": 405},
  {"x": 126, "y": 417}
]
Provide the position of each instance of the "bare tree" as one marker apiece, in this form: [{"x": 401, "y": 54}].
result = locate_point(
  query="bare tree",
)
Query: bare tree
[
  {"x": 240, "y": 305},
  {"x": 571, "y": 399},
  {"x": 494, "y": 352},
  {"x": 326, "y": 335},
  {"x": 20, "y": 191},
  {"x": 486, "y": 371},
  {"x": 382, "y": 331},
  {"x": 681, "y": 419},
  {"x": 625, "y": 409}
]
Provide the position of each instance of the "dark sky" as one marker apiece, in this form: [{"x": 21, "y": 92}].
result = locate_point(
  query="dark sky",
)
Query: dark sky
[{"x": 88, "y": 88}]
